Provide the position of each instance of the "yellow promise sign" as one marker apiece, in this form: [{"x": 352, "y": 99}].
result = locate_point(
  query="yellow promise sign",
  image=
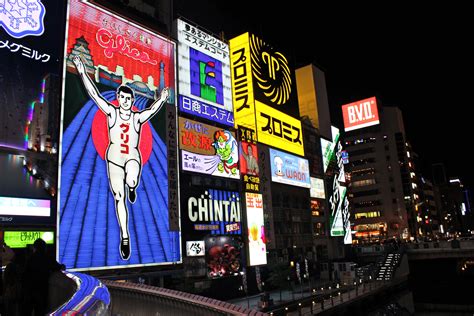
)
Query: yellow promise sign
[
  {"x": 278, "y": 130},
  {"x": 242, "y": 87}
]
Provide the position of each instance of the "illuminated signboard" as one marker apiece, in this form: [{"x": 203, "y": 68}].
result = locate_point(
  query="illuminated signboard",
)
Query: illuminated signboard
[
  {"x": 24, "y": 207},
  {"x": 249, "y": 159},
  {"x": 289, "y": 169},
  {"x": 31, "y": 53},
  {"x": 336, "y": 201},
  {"x": 223, "y": 256},
  {"x": 242, "y": 87},
  {"x": 195, "y": 248},
  {"x": 339, "y": 218},
  {"x": 214, "y": 212},
  {"x": 315, "y": 208},
  {"x": 328, "y": 148},
  {"x": 21, "y": 239},
  {"x": 213, "y": 216},
  {"x": 257, "y": 247},
  {"x": 279, "y": 130},
  {"x": 204, "y": 75},
  {"x": 208, "y": 149},
  {"x": 317, "y": 188},
  {"x": 273, "y": 77},
  {"x": 117, "y": 166},
  {"x": 360, "y": 114}
]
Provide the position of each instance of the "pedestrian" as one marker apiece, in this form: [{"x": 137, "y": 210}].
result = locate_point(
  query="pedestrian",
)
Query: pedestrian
[
  {"x": 38, "y": 269},
  {"x": 12, "y": 287}
]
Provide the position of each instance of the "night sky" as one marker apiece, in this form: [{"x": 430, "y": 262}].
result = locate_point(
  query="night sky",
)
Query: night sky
[{"x": 415, "y": 58}]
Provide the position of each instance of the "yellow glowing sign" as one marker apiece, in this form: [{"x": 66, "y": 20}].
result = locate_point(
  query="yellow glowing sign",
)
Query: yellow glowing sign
[
  {"x": 271, "y": 71},
  {"x": 242, "y": 87},
  {"x": 278, "y": 129}
]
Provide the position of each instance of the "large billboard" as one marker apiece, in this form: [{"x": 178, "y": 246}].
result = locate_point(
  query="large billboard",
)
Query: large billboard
[
  {"x": 208, "y": 149},
  {"x": 31, "y": 53},
  {"x": 264, "y": 93},
  {"x": 213, "y": 218},
  {"x": 204, "y": 75},
  {"x": 360, "y": 114},
  {"x": 279, "y": 130},
  {"x": 116, "y": 172},
  {"x": 273, "y": 77},
  {"x": 289, "y": 169},
  {"x": 257, "y": 247}
]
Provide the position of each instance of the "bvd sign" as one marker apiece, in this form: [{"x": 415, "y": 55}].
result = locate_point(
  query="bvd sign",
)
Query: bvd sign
[{"x": 360, "y": 114}]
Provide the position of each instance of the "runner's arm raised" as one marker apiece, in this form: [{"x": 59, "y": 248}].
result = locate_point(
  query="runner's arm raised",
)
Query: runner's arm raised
[
  {"x": 91, "y": 89},
  {"x": 148, "y": 113}
]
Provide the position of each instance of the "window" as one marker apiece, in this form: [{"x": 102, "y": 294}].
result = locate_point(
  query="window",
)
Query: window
[
  {"x": 365, "y": 193},
  {"x": 362, "y": 172},
  {"x": 363, "y": 183},
  {"x": 367, "y": 215}
]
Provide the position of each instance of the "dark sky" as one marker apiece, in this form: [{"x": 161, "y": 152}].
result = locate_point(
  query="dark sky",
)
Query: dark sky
[{"x": 416, "y": 58}]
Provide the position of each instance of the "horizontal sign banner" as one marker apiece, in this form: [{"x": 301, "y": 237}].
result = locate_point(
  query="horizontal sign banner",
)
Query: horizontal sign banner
[{"x": 289, "y": 169}]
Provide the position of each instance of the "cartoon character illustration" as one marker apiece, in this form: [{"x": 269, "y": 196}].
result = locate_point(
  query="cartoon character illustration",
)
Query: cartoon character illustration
[
  {"x": 123, "y": 156},
  {"x": 279, "y": 166},
  {"x": 226, "y": 148}
]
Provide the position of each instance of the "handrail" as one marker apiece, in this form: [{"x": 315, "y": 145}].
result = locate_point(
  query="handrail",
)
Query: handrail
[{"x": 199, "y": 302}]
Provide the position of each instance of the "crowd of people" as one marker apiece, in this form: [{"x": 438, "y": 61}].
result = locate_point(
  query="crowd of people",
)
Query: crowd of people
[{"x": 26, "y": 279}]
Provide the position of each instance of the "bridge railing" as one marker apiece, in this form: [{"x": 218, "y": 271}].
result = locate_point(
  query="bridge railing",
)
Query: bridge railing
[
  {"x": 132, "y": 298},
  {"x": 441, "y": 244}
]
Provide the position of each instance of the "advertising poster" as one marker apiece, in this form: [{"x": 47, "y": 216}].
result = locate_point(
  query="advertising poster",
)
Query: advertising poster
[
  {"x": 208, "y": 149},
  {"x": 204, "y": 75},
  {"x": 257, "y": 247},
  {"x": 223, "y": 256},
  {"x": 317, "y": 188},
  {"x": 248, "y": 159},
  {"x": 279, "y": 130},
  {"x": 114, "y": 202},
  {"x": 31, "y": 53},
  {"x": 289, "y": 169},
  {"x": 214, "y": 217},
  {"x": 360, "y": 114}
]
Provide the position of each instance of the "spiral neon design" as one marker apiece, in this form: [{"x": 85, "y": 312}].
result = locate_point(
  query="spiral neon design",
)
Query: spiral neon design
[{"x": 271, "y": 71}]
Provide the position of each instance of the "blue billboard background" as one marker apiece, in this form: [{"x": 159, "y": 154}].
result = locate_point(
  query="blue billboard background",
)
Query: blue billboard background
[{"x": 88, "y": 224}]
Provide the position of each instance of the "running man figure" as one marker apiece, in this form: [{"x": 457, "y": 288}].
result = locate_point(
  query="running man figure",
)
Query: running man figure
[{"x": 124, "y": 161}]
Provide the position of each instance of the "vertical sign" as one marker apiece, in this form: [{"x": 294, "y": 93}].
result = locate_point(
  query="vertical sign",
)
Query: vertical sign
[
  {"x": 257, "y": 247},
  {"x": 241, "y": 72}
]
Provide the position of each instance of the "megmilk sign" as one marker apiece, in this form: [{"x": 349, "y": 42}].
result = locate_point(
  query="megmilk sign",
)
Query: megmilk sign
[{"x": 360, "y": 114}]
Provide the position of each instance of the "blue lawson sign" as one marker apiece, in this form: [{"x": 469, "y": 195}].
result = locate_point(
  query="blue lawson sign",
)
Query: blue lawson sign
[
  {"x": 206, "y": 111},
  {"x": 289, "y": 169}
]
